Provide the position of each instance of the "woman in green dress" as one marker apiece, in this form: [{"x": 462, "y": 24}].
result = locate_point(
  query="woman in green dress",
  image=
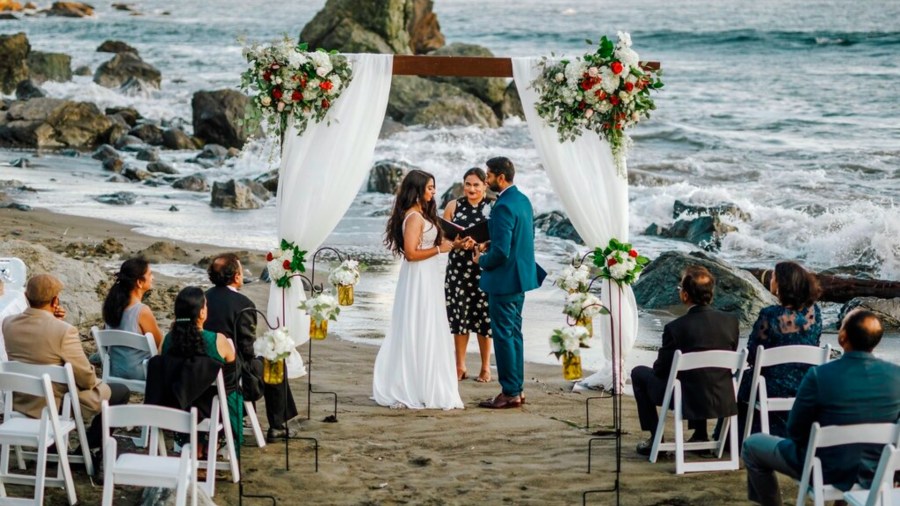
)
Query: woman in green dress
[{"x": 186, "y": 338}]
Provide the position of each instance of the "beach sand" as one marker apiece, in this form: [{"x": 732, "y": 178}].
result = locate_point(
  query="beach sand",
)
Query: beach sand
[{"x": 374, "y": 455}]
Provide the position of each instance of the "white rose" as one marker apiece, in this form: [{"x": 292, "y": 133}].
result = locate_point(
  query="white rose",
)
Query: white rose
[
  {"x": 322, "y": 71},
  {"x": 559, "y": 77},
  {"x": 624, "y": 39},
  {"x": 593, "y": 72},
  {"x": 336, "y": 85},
  {"x": 266, "y": 101},
  {"x": 609, "y": 81},
  {"x": 618, "y": 271}
]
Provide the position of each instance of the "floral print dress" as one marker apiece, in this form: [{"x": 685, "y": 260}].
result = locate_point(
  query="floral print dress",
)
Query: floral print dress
[{"x": 467, "y": 305}]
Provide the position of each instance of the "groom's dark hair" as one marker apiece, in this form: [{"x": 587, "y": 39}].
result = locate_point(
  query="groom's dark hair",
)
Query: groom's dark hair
[{"x": 501, "y": 165}]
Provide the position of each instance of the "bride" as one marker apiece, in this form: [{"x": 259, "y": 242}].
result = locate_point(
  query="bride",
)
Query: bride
[{"x": 415, "y": 366}]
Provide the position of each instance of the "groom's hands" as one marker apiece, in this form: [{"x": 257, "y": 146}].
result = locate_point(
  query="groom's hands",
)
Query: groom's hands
[{"x": 478, "y": 249}]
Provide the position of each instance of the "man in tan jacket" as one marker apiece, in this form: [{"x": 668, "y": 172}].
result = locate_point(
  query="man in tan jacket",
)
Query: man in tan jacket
[{"x": 40, "y": 336}]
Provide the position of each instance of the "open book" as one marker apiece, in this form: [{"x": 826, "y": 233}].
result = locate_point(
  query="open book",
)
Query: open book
[{"x": 478, "y": 232}]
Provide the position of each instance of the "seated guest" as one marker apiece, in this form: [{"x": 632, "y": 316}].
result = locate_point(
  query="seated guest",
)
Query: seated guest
[
  {"x": 123, "y": 310},
  {"x": 228, "y": 306},
  {"x": 795, "y": 320},
  {"x": 706, "y": 393},
  {"x": 187, "y": 339},
  {"x": 40, "y": 336},
  {"x": 857, "y": 388}
]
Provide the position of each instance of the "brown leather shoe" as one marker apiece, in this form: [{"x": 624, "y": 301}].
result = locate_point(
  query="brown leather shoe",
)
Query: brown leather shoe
[{"x": 501, "y": 402}]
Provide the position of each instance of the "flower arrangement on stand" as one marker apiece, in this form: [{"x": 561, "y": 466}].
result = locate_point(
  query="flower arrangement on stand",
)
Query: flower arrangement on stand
[
  {"x": 605, "y": 91},
  {"x": 285, "y": 261},
  {"x": 565, "y": 343},
  {"x": 574, "y": 279},
  {"x": 344, "y": 277},
  {"x": 619, "y": 262},
  {"x": 274, "y": 346},
  {"x": 321, "y": 308},
  {"x": 288, "y": 81},
  {"x": 583, "y": 307}
]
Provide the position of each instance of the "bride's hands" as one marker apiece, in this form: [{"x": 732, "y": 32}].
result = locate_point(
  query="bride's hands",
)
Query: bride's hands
[
  {"x": 446, "y": 246},
  {"x": 465, "y": 243}
]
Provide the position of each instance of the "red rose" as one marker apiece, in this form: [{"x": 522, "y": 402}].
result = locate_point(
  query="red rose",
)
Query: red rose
[
  {"x": 325, "y": 103},
  {"x": 582, "y": 105},
  {"x": 267, "y": 76},
  {"x": 269, "y": 256},
  {"x": 587, "y": 84},
  {"x": 286, "y": 264},
  {"x": 614, "y": 100},
  {"x": 600, "y": 94},
  {"x": 277, "y": 93},
  {"x": 633, "y": 253},
  {"x": 326, "y": 85},
  {"x": 616, "y": 67},
  {"x": 611, "y": 262},
  {"x": 296, "y": 96},
  {"x": 629, "y": 86}
]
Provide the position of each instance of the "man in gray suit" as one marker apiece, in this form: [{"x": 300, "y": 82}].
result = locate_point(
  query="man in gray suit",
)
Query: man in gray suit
[{"x": 857, "y": 388}]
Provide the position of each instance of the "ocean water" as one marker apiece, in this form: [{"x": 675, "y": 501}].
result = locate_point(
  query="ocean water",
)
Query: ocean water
[{"x": 788, "y": 109}]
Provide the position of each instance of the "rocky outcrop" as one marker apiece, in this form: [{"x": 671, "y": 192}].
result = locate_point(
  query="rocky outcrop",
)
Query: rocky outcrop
[
  {"x": 116, "y": 46},
  {"x": 117, "y": 199},
  {"x": 414, "y": 100},
  {"x": 360, "y": 26},
  {"x": 386, "y": 175},
  {"x": 888, "y": 310},
  {"x": 71, "y": 10},
  {"x": 175, "y": 138},
  {"x": 423, "y": 27},
  {"x": 129, "y": 114},
  {"x": 149, "y": 133},
  {"x": 234, "y": 195},
  {"x": 164, "y": 252},
  {"x": 53, "y": 123},
  {"x": 10, "y": 5},
  {"x": 737, "y": 291},
  {"x": 124, "y": 67},
  {"x": 161, "y": 167},
  {"x": 218, "y": 115},
  {"x": 27, "y": 90},
  {"x": 490, "y": 90},
  {"x": 49, "y": 67},
  {"x": 557, "y": 224},
  {"x": 511, "y": 105},
  {"x": 14, "y": 64},
  {"x": 192, "y": 183},
  {"x": 706, "y": 230}
]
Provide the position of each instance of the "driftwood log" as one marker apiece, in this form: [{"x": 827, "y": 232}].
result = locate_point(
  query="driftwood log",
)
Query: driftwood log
[{"x": 841, "y": 289}]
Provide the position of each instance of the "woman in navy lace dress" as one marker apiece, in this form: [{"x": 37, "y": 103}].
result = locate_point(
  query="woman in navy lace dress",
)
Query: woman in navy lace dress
[
  {"x": 795, "y": 320},
  {"x": 467, "y": 307}
]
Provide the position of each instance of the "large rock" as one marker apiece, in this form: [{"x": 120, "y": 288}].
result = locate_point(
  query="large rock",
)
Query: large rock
[
  {"x": 233, "y": 195},
  {"x": 149, "y": 133},
  {"x": 49, "y": 67},
  {"x": 192, "y": 183},
  {"x": 511, "y": 105},
  {"x": 454, "y": 111},
  {"x": 116, "y": 46},
  {"x": 218, "y": 117},
  {"x": 124, "y": 67},
  {"x": 360, "y": 26},
  {"x": 117, "y": 199},
  {"x": 705, "y": 231},
  {"x": 414, "y": 100},
  {"x": 888, "y": 310},
  {"x": 14, "y": 63},
  {"x": 53, "y": 123},
  {"x": 10, "y": 5},
  {"x": 423, "y": 27},
  {"x": 163, "y": 252},
  {"x": 129, "y": 114},
  {"x": 737, "y": 291},
  {"x": 71, "y": 10},
  {"x": 557, "y": 224},
  {"x": 489, "y": 89},
  {"x": 680, "y": 209},
  {"x": 26, "y": 90},
  {"x": 386, "y": 175},
  {"x": 175, "y": 138}
]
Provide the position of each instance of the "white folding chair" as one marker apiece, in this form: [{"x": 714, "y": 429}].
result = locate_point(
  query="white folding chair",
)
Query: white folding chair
[
  {"x": 759, "y": 396},
  {"x": 883, "y": 492},
  {"x": 837, "y": 435},
  {"x": 39, "y": 433},
  {"x": 70, "y": 412},
  {"x": 155, "y": 469},
  {"x": 722, "y": 359},
  {"x": 218, "y": 421},
  {"x": 250, "y": 412}
]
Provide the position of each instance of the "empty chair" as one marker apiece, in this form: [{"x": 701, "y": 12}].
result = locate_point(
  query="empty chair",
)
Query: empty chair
[
  {"x": 766, "y": 357},
  {"x": 882, "y": 492},
  {"x": 731, "y": 360},
  {"x": 40, "y": 433},
  {"x": 812, "y": 482},
  {"x": 155, "y": 469},
  {"x": 70, "y": 410}
]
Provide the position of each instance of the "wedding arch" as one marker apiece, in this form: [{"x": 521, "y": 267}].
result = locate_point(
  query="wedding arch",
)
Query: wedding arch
[{"x": 322, "y": 168}]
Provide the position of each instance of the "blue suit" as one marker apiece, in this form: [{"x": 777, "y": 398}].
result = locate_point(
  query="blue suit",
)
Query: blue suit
[{"x": 508, "y": 270}]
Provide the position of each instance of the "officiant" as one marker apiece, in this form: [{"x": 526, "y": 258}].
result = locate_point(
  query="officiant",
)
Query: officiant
[{"x": 467, "y": 305}]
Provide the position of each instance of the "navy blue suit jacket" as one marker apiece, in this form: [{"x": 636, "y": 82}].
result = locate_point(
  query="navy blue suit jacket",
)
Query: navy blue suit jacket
[{"x": 508, "y": 266}]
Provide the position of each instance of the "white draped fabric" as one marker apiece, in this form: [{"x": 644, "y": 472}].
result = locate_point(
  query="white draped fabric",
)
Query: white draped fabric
[
  {"x": 595, "y": 198},
  {"x": 321, "y": 172}
]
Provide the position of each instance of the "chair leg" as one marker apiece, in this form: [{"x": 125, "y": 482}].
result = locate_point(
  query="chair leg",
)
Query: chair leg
[
  {"x": 20, "y": 458},
  {"x": 212, "y": 448},
  {"x": 64, "y": 469},
  {"x": 40, "y": 473},
  {"x": 109, "y": 459},
  {"x": 724, "y": 433},
  {"x": 250, "y": 412},
  {"x": 660, "y": 426},
  {"x": 679, "y": 436},
  {"x": 733, "y": 444}
]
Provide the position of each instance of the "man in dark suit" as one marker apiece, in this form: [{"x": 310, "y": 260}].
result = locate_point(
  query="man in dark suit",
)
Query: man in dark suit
[
  {"x": 706, "y": 393},
  {"x": 857, "y": 388},
  {"x": 227, "y": 306},
  {"x": 508, "y": 270}
]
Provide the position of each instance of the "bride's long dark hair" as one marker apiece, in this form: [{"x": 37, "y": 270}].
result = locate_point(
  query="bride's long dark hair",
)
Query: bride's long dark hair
[{"x": 411, "y": 192}]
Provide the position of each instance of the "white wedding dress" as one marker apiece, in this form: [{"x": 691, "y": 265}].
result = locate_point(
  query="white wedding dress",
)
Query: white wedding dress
[{"x": 415, "y": 366}]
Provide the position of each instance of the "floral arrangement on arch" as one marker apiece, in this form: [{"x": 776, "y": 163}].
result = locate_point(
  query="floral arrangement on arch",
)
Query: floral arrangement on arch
[
  {"x": 285, "y": 261},
  {"x": 574, "y": 279},
  {"x": 606, "y": 91},
  {"x": 286, "y": 80},
  {"x": 568, "y": 340},
  {"x": 620, "y": 262},
  {"x": 345, "y": 274},
  {"x": 322, "y": 307},
  {"x": 274, "y": 345},
  {"x": 583, "y": 305}
]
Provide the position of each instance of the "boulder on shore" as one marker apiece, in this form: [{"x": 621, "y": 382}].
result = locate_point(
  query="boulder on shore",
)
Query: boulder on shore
[
  {"x": 49, "y": 67},
  {"x": 14, "y": 64},
  {"x": 701, "y": 225},
  {"x": 125, "y": 67},
  {"x": 116, "y": 46},
  {"x": 27, "y": 90},
  {"x": 53, "y": 123},
  {"x": 557, "y": 224},
  {"x": 10, "y": 5},
  {"x": 490, "y": 90},
  {"x": 233, "y": 195},
  {"x": 218, "y": 116},
  {"x": 737, "y": 291},
  {"x": 415, "y": 100},
  {"x": 71, "y": 10},
  {"x": 888, "y": 310},
  {"x": 360, "y": 26},
  {"x": 386, "y": 175},
  {"x": 192, "y": 183}
]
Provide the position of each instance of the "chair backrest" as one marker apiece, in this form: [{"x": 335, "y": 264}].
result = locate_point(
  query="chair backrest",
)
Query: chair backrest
[
  {"x": 109, "y": 337},
  {"x": 883, "y": 484},
  {"x": 60, "y": 374},
  {"x": 155, "y": 418},
  {"x": 11, "y": 383},
  {"x": 721, "y": 359},
  {"x": 13, "y": 273},
  {"x": 793, "y": 354}
]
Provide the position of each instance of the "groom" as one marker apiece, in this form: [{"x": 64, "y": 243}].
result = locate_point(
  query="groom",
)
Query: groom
[{"x": 508, "y": 270}]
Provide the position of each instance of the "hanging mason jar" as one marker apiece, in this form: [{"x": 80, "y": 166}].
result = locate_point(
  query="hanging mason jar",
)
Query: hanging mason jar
[
  {"x": 345, "y": 295},
  {"x": 571, "y": 366},
  {"x": 273, "y": 371},
  {"x": 588, "y": 323},
  {"x": 318, "y": 329}
]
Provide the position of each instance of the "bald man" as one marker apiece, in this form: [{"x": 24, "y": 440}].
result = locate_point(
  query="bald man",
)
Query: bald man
[{"x": 857, "y": 388}]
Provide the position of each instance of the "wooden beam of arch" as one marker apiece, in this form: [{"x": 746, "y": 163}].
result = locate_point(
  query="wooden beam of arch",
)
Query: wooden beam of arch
[{"x": 463, "y": 66}]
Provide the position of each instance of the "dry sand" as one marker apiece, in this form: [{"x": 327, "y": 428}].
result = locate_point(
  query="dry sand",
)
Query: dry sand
[{"x": 374, "y": 455}]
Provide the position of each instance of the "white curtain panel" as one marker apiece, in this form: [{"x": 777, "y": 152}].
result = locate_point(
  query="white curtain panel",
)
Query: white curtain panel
[
  {"x": 321, "y": 172},
  {"x": 595, "y": 198}
]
